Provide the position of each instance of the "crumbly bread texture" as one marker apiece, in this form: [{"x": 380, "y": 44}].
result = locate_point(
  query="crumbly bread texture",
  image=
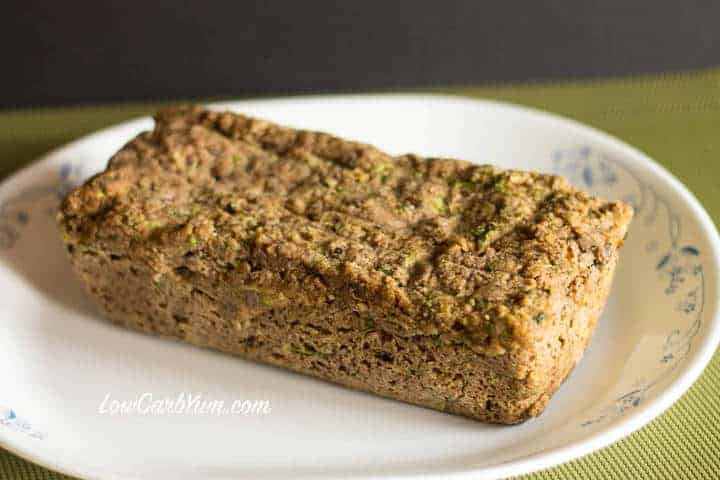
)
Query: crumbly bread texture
[{"x": 464, "y": 288}]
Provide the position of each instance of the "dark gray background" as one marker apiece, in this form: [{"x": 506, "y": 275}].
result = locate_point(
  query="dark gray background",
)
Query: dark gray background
[{"x": 65, "y": 52}]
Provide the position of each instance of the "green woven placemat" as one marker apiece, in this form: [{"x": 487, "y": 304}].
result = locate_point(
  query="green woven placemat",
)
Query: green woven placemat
[{"x": 674, "y": 118}]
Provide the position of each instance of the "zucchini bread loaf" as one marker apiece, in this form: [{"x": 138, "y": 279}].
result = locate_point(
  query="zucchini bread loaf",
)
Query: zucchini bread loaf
[{"x": 464, "y": 288}]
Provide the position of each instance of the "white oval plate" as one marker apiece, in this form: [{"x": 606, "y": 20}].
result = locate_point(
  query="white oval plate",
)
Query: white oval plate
[{"x": 59, "y": 361}]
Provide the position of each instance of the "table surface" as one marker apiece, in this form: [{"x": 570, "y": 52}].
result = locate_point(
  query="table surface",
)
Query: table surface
[{"x": 674, "y": 118}]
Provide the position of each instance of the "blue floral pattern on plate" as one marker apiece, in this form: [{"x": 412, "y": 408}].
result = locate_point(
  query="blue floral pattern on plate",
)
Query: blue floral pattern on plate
[
  {"x": 679, "y": 268},
  {"x": 15, "y": 213},
  {"x": 8, "y": 418}
]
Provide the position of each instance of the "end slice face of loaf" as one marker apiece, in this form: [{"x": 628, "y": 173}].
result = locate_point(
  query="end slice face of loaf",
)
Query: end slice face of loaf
[{"x": 464, "y": 288}]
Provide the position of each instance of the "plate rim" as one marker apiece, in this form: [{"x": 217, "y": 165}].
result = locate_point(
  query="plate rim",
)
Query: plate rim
[{"x": 602, "y": 438}]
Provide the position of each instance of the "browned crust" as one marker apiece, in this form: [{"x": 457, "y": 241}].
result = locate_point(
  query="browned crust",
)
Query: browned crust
[{"x": 475, "y": 289}]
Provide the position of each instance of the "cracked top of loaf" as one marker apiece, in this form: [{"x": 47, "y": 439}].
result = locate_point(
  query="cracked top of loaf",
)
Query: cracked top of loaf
[{"x": 468, "y": 250}]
